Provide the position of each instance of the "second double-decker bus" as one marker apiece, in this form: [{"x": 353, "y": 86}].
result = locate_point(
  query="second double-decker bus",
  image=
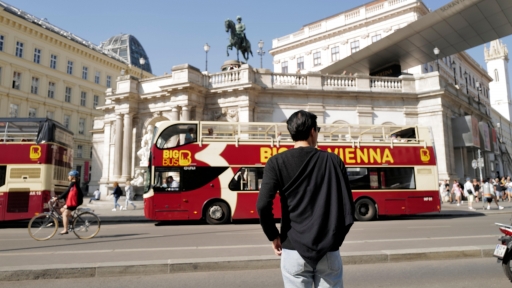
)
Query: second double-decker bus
[
  {"x": 36, "y": 155},
  {"x": 214, "y": 170}
]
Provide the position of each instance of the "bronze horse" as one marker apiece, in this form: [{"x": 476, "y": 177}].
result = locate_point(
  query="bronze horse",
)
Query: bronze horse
[{"x": 236, "y": 42}]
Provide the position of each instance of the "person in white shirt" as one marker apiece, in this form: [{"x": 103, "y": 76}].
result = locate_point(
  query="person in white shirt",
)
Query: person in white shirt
[
  {"x": 171, "y": 183},
  {"x": 96, "y": 196},
  {"x": 128, "y": 189},
  {"x": 469, "y": 192}
]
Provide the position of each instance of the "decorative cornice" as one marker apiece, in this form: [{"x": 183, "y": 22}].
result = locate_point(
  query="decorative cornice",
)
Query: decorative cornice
[
  {"x": 420, "y": 9},
  {"x": 64, "y": 43}
]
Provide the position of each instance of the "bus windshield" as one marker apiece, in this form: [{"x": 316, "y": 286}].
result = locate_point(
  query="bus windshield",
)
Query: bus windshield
[{"x": 177, "y": 135}]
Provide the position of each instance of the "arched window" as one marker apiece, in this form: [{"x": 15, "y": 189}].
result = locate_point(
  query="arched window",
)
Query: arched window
[{"x": 496, "y": 75}]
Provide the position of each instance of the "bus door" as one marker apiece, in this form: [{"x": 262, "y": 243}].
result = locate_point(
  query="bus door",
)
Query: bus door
[
  {"x": 168, "y": 203},
  {"x": 2, "y": 207},
  {"x": 3, "y": 171},
  {"x": 247, "y": 184}
]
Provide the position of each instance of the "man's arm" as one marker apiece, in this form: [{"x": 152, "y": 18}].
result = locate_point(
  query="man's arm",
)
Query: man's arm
[{"x": 268, "y": 191}]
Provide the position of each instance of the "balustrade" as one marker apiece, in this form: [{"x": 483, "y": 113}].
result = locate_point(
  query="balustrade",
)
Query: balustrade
[
  {"x": 394, "y": 2},
  {"x": 289, "y": 79},
  {"x": 375, "y": 8},
  {"x": 339, "y": 81},
  {"x": 385, "y": 83},
  {"x": 228, "y": 77},
  {"x": 353, "y": 14}
]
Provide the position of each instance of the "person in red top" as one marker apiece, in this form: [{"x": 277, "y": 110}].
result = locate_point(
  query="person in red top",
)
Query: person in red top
[{"x": 74, "y": 198}]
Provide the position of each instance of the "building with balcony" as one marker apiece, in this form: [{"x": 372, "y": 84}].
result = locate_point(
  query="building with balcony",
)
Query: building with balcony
[
  {"x": 318, "y": 44},
  {"x": 46, "y": 71},
  {"x": 450, "y": 94}
]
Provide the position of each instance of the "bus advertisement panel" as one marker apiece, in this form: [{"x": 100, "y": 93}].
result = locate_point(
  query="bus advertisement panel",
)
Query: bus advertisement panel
[{"x": 216, "y": 174}]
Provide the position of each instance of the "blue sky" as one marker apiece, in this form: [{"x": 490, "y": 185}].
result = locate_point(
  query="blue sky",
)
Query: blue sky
[{"x": 174, "y": 32}]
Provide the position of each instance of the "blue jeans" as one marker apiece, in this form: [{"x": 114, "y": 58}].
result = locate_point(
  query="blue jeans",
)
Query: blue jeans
[
  {"x": 297, "y": 273},
  {"x": 115, "y": 202}
]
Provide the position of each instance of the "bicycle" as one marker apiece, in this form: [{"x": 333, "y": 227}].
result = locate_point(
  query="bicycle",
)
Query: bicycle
[{"x": 84, "y": 223}]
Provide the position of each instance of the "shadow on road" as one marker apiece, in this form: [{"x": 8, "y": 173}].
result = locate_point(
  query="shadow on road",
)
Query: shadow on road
[{"x": 202, "y": 222}]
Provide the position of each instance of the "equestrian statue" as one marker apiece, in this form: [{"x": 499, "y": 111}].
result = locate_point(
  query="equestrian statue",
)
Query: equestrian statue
[{"x": 237, "y": 38}]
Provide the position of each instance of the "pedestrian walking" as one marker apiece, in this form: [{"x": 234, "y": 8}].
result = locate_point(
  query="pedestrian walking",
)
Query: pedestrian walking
[
  {"x": 489, "y": 194},
  {"x": 476, "y": 186},
  {"x": 96, "y": 195},
  {"x": 317, "y": 207},
  {"x": 509, "y": 188},
  {"x": 469, "y": 191},
  {"x": 117, "y": 194},
  {"x": 457, "y": 192},
  {"x": 128, "y": 190},
  {"x": 441, "y": 191},
  {"x": 497, "y": 188}
]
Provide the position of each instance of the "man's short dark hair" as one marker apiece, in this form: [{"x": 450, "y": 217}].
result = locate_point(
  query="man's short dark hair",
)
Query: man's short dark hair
[{"x": 300, "y": 125}]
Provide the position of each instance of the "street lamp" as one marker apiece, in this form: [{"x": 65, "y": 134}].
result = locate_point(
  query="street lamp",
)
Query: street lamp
[
  {"x": 501, "y": 131},
  {"x": 206, "y": 49},
  {"x": 454, "y": 73},
  {"x": 466, "y": 76},
  {"x": 142, "y": 61},
  {"x": 478, "y": 89},
  {"x": 436, "y": 51},
  {"x": 261, "y": 52}
]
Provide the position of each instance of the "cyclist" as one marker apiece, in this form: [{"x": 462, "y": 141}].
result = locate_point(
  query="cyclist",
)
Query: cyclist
[{"x": 74, "y": 198}]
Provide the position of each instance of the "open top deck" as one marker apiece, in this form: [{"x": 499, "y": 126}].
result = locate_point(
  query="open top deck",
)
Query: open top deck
[{"x": 276, "y": 133}]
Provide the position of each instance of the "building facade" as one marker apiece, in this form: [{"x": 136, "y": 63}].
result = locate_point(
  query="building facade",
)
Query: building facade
[
  {"x": 450, "y": 95},
  {"x": 48, "y": 72},
  {"x": 318, "y": 44}
]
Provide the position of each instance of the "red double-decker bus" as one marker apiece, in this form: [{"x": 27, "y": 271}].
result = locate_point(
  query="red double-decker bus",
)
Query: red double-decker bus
[
  {"x": 217, "y": 168},
  {"x": 36, "y": 156}
]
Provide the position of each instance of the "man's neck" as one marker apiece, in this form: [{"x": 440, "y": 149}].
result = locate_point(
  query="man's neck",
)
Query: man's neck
[{"x": 306, "y": 143}]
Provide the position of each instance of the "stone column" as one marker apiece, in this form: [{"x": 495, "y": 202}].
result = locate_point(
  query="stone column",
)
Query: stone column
[
  {"x": 118, "y": 148},
  {"x": 175, "y": 114},
  {"x": 199, "y": 113},
  {"x": 106, "y": 152},
  {"x": 185, "y": 113},
  {"x": 127, "y": 147}
]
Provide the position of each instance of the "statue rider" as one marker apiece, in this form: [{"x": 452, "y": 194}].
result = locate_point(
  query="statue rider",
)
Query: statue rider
[{"x": 240, "y": 30}]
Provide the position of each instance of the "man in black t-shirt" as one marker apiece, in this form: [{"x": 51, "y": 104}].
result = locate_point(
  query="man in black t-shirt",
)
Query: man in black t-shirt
[{"x": 317, "y": 207}]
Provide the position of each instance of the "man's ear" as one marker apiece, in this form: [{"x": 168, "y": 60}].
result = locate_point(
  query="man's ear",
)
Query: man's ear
[{"x": 312, "y": 133}]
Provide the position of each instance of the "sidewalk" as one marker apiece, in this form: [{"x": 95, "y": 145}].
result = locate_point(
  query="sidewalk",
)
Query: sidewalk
[
  {"x": 109, "y": 269},
  {"x": 103, "y": 208}
]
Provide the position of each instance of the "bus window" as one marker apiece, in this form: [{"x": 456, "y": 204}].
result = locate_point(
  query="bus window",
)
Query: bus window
[
  {"x": 247, "y": 179},
  {"x": 381, "y": 178},
  {"x": 359, "y": 178},
  {"x": 3, "y": 171},
  {"x": 397, "y": 178},
  {"x": 177, "y": 135},
  {"x": 166, "y": 179},
  {"x": 193, "y": 178}
]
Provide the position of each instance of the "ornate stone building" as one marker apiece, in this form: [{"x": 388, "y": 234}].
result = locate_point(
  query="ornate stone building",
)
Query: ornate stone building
[
  {"x": 249, "y": 95},
  {"x": 46, "y": 71},
  {"x": 450, "y": 95}
]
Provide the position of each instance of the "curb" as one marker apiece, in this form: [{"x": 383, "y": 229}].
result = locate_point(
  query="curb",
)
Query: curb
[
  {"x": 144, "y": 268},
  {"x": 452, "y": 213}
]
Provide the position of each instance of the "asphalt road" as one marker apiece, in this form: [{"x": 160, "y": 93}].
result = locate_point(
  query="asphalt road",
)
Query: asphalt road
[
  {"x": 147, "y": 241},
  {"x": 429, "y": 274}
]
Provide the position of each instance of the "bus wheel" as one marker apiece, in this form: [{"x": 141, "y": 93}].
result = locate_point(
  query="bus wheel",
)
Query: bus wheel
[
  {"x": 217, "y": 213},
  {"x": 365, "y": 210}
]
